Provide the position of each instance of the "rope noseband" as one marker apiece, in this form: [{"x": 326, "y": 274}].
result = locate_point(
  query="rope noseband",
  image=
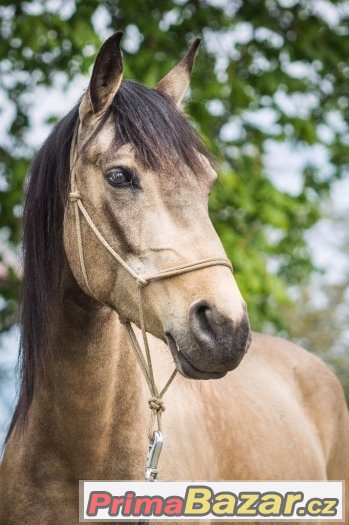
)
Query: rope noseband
[{"x": 155, "y": 402}]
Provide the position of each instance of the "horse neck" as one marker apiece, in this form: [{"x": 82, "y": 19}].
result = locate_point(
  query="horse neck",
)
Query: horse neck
[{"x": 89, "y": 404}]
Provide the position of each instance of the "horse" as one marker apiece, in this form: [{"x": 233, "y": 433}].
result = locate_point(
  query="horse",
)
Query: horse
[{"x": 118, "y": 192}]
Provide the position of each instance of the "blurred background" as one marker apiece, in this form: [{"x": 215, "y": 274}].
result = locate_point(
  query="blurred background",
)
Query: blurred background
[{"x": 270, "y": 98}]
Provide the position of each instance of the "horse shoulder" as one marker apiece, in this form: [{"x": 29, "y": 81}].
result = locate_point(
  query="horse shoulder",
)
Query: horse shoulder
[
  {"x": 2, "y": 503},
  {"x": 318, "y": 391}
]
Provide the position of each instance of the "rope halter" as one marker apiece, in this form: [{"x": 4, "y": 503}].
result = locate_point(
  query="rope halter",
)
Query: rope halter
[{"x": 155, "y": 402}]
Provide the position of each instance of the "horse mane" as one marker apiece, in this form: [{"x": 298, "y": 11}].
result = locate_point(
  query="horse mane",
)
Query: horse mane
[
  {"x": 42, "y": 224},
  {"x": 160, "y": 133}
]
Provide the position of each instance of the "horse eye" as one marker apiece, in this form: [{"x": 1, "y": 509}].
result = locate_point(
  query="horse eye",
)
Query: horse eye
[{"x": 119, "y": 178}]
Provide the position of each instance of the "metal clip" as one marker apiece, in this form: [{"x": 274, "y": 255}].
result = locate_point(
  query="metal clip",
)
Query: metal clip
[{"x": 154, "y": 451}]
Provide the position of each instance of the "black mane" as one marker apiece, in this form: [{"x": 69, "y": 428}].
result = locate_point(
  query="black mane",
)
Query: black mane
[{"x": 144, "y": 117}]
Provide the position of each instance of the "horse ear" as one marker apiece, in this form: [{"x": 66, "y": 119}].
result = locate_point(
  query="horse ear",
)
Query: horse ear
[
  {"x": 176, "y": 82},
  {"x": 106, "y": 78}
]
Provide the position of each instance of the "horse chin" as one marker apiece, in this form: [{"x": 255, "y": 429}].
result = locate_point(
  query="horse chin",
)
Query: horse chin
[{"x": 186, "y": 368}]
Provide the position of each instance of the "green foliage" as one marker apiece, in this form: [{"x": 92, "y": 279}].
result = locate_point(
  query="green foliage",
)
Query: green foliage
[{"x": 259, "y": 224}]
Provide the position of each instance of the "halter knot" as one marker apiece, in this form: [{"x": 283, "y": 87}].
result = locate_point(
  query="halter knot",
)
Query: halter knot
[
  {"x": 75, "y": 196},
  {"x": 156, "y": 404}
]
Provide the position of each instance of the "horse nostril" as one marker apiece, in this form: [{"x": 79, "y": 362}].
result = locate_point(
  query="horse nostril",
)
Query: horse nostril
[
  {"x": 203, "y": 315},
  {"x": 201, "y": 322}
]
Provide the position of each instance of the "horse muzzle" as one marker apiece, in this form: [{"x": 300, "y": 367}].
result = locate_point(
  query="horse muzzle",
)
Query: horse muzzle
[{"x": 213, "y": 344}]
